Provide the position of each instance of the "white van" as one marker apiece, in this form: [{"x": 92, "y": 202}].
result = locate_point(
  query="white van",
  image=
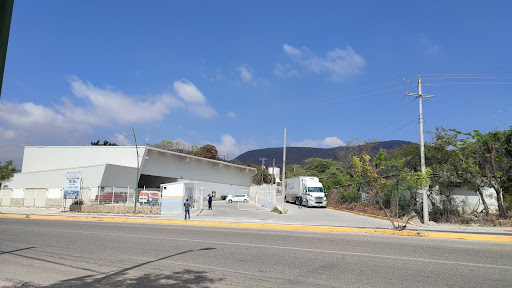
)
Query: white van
[{"x": 146, "y": 197}]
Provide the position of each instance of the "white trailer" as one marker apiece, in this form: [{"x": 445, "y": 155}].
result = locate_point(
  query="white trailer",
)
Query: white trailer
[{"x": 310, "y": 188}]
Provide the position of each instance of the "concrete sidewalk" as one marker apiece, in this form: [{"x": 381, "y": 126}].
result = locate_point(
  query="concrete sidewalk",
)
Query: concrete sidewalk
[{"x": 249, "y": 215}]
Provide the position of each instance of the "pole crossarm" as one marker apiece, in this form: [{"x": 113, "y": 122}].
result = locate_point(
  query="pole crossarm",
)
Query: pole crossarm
[{"x": 416, "y": 95}]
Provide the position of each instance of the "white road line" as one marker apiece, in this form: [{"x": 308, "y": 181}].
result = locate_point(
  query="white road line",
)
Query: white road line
[{"x": 270, "y": 246}]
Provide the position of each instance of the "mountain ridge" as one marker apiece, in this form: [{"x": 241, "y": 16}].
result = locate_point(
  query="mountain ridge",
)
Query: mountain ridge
[{"x": 298, "y": 155}]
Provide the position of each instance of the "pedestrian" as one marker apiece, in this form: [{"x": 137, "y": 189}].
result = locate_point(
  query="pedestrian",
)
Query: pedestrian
[
  {"x": 187, "y": 209},
  {"x": 300, "y": 202},
  {"x": 210, "y": 199}
]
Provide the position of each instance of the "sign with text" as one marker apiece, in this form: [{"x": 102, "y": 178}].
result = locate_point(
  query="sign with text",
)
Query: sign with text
[{"x": 73, "y": 184}]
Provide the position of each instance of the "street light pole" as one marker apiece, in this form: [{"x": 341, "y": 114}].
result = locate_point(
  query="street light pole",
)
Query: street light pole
[{"x": 137, "y": 175}]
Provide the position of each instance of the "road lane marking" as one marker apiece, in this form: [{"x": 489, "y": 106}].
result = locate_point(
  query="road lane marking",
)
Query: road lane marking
[{"x": 270, "y": 246}]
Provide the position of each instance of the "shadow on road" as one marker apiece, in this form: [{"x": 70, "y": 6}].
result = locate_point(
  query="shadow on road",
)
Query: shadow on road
[{"x": 128, "y": 278}]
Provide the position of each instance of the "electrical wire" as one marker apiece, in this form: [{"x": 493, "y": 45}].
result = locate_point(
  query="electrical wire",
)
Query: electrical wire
[{"x": 462, "y": 83}]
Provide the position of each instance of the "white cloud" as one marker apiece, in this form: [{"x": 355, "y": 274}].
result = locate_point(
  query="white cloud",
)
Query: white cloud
[
  {"x": 189, "y": 92},
  {"x": 291, "y": 50},
  {"x": 229, "y": 147},
  {"x": 69, "y": 123},
  {"x": 245, "y": 73},
  {"x": 122, "y": 140},
  {"x": 107, "y": 106},
  {"x": 429, "y": 46},
  {"x": 338, "y": 63},
  {"x": 196, "y": 102},
  {"x": 231, "y": 115},
  {"x": 11, "y": 147},
  {"x": 325, "y": 143},
  {"x": 285, "y": 70}
]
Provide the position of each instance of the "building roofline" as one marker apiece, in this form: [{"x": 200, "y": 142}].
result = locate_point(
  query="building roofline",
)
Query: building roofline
[
  {"x": 151, "y": 148},
  {"x": 199, "y": 158}
]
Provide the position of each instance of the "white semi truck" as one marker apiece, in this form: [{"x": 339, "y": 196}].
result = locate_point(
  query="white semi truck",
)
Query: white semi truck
[{"x": 310, "y": 188}]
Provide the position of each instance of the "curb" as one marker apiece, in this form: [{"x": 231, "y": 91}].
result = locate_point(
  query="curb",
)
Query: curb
[
  {"x": 368, "y": 215},
  {"x": 474, "y": 237}
]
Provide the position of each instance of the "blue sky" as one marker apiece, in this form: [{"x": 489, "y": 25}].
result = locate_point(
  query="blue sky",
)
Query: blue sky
[{"x": 235, "y": 73}]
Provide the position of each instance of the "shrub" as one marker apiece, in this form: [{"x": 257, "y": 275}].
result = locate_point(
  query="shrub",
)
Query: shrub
[
  {"x": 276, "y": 210},
  {"x": 78, "y": 202}
]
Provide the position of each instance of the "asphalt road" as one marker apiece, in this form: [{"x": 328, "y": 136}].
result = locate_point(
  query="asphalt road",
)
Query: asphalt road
[{"x": 51, "y": 253}]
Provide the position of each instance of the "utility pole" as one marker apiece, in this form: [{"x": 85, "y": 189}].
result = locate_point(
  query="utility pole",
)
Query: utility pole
[
  {"x": 273, "y": 170},
  {"x": 262, "y": 167},
  {"x": 137, "y": 176},
  {"x": 283, "y": 183},
  {"x": 419, "y": 95}
]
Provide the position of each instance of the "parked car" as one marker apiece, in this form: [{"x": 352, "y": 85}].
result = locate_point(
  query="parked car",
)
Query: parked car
[
  {"x": 109, "y": 197},
  {"x": 237, "y": 198}
]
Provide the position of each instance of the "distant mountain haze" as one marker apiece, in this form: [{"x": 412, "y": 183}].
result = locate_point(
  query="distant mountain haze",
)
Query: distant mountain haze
[{"x": 298, "y": 155}]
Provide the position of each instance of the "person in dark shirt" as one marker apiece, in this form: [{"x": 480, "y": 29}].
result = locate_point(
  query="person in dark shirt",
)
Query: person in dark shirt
[
  {"x": 187, "y": 209},
  {"x": 210, "y": 199}
]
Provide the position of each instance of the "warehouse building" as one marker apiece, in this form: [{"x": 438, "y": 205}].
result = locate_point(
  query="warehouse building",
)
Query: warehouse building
[{"x": 41, "y": 182}]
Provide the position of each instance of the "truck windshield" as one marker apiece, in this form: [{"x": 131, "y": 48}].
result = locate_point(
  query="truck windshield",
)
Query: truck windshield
[{"x": 315, "y": 189}]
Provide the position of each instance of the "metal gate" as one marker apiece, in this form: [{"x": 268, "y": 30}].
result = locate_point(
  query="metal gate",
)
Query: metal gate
[
  {"x": 198, "y": 198},
  {"x": 5, "y": 197}
]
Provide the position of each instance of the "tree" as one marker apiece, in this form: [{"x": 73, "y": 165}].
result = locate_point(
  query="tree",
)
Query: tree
[
  {"x": 407, "y": 182},
  {"x": 6, "y": 171},
  {"x": 354, "y": 147},
  {"x": 175, "y": 146},
  {"x": 295, "y": 170},
  {"x": 207, "y": 151},
  {"x": 411, "y": 155},
  {"x": 329, "y": 172},
  {"x": 477, "y": 160},
  {"x": 105, "y": 143},
  {"x": 493, "y": 151},
  {"x": 261, "y": 177}
]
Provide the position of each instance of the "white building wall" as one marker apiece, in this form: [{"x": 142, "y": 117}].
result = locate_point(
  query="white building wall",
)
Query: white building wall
[
  {"x": 107, "y": 166},
  {"x": 91, "y": 177},
  {"x": 168, "y": 164},
  {"x": 44, "y": 158}
]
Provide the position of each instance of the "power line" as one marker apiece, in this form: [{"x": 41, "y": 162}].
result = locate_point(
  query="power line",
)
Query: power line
[
  {"x": 325, "y": 99},
  {"x": 462, "y": 83},
  {"x": 472, "y": 115},
  {"x": 403, "y": 126},
  {"x": 481, "y": 74}
]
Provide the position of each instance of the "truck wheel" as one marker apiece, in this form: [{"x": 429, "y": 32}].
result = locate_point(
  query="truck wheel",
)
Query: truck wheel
[
  {"x": 245, "y": 200},
  {"x": 230, "y": 201},
  {"x": 296, "y": 201}
]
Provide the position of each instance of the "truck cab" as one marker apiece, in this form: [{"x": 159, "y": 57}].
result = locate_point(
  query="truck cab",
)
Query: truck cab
[{"x": 313, "y": 194}]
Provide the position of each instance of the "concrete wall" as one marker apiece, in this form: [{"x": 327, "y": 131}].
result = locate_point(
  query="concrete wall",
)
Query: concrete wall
[{"x": 470, "y": 201}]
